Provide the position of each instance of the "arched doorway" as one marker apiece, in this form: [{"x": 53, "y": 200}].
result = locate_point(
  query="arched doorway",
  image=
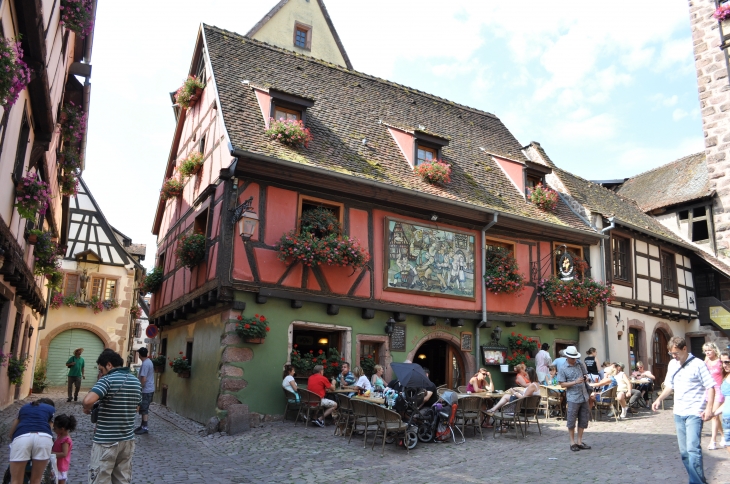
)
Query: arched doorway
[
  {"x": 661, "y": 355},
  {"x": 444, "y": 362},
  {"x": 61, "y": 349}
]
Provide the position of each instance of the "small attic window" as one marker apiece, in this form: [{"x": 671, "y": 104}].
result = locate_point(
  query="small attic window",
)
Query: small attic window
[
  {"x": 303, "y": 36},
  {"x": 424, "y": 154},
  {"x": 427, "y": 147},
  {"x": 287, "y": 114},
  {"x": 289, "y": 106}
]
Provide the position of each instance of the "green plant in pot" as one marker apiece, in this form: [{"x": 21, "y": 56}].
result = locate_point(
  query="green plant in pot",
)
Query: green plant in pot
[
  {"x": 181, "y": 366},
  {"x": 152, "y": 281},
  {"x": 16, "y": 369},
  {"x": 191, "y": 250},
  {"x": 40, "y": 382},
  {"x": 253, "y": 329},
  {"x": 158, "y": 363}
]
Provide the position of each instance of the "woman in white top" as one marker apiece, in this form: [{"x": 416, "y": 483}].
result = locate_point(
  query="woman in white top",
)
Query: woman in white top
[
  {"x": 362, "y": 381},
  {"x": 289, "y": 384}
]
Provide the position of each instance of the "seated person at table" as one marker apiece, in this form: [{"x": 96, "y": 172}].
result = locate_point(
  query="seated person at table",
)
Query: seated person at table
[
  {"x": 625, "y": 395},
  {"x": 642, "y": 374},
  {"x": 289, "y": 384},
  {"x": 319, "y": 384},
  {"x": 532, "y": 374},
  {"x": 346, "y": 379},
  {"x": 478, "y": 383},
  {"x": 431, "y": 395},
  {"x": 362, "y": 382},
  {"x": 522, "y": 379},
  {"x": 514, "y": 394},
  {"x": 552, "y": 377},
  {"x": 377, "y": 379},
  {"x": 561, "y": 360},
  {"x": 608, "y": 381}
]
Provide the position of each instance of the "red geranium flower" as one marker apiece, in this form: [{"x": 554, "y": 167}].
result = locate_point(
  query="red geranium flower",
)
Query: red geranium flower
[
  {"x": 239, "y": 317},
  {"x": 262, "y": 319},
  {"x": 255, "y": 315},
  {"x": 247, "y": 326},
  {"x": 268, "y": 329},
  {"x": 296, "y": 346},
  {"x": 513, "y": 333},
  {"x": 320, "y": 352},
  {"x": 181, "y": 352}
]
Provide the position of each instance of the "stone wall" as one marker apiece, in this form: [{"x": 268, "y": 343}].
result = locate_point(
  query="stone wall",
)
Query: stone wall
[{"x": 714, "y": 96}]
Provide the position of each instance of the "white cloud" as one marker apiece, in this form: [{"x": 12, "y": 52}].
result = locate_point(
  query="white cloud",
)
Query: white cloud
[
  {"x": 661, "y": 100},
  {"x": 679, "y": 114},
  {"x": 583, "y": 129}
]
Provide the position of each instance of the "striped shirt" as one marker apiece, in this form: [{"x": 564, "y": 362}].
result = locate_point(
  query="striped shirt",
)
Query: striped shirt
[
  {"x": 689, "y": 384},
  {"x": 120, "y": 393}
]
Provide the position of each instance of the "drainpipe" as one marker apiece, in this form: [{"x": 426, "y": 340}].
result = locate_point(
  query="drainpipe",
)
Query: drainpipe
[
  {"x": 483, "y": 322},
  {"x": 603, "y": 273}
]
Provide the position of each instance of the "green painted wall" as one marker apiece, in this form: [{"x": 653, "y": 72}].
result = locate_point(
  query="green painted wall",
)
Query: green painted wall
[{"x": 193, "y": 397}]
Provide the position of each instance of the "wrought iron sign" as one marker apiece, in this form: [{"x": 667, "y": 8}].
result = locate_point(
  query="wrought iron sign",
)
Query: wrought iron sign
[{"x": 566, "y": 265}]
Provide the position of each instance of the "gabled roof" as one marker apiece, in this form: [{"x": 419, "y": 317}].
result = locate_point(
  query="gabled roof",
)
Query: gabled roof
[
  {"x": 351, "y": 106},
  {"x": 90, "y": 231},
  {"x": 680, "y": 181}
]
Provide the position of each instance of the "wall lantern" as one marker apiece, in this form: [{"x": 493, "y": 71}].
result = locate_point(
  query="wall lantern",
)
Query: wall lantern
[
  {"x": 30, "y": 331},
  {"x": 247, "y": 219},
  {"x": 323, "y": 341},
  {"x": 421, "y": 356},
  {"x": 389, "y": 326}
]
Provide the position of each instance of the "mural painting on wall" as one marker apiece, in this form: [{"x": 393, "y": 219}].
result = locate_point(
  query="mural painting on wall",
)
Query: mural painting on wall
[{"x": 429, "y": 260}]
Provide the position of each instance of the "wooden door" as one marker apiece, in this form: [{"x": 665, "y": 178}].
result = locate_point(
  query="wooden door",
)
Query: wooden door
[
  {"x": 454, "y": 368},
  {"x": 661, "y": 357}
]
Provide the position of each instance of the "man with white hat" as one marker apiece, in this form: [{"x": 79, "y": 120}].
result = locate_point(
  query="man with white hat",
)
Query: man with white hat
[{"x": 572, "y": 377}]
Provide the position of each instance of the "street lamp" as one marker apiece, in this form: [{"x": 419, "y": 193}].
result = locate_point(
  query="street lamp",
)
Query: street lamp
[{"x": 247, "y": 219}]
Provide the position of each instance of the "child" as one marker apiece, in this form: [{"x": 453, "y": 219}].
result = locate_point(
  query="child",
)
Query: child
[
  {"x": 552, "y": 378},
  {"x": 63, "y": 425}
]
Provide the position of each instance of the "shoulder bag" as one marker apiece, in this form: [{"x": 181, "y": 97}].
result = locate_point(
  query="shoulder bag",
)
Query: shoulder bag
[{"x": 97, "y": 404}]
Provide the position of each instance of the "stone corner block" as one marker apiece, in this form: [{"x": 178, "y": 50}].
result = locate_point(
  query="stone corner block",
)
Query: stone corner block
[
  {"x": 231, "y": 354},
  {"x": 238, "y": 419}
]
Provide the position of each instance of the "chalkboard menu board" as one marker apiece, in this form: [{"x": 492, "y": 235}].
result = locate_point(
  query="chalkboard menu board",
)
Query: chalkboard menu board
[
  {"x": 398, "y": 338},
  {"x": 467, "y": 340}
]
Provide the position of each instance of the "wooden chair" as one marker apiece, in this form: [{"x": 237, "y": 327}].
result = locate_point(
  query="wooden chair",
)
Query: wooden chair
[
  {"x": 530, "y": 408},
  {"x": 549, "y": 402},
  {"x": 606, "y": 400},
  {"x": 671, "y": 395},
  {"x": 363, "y": 416},
  {"x": 344, "y": 414},
  {"x": 509, "y": 414},
  {"x": 468, "y": 411},
  {"x": 389, "y": 422},
  {"x": 461, "y": 389},
  {"x": 291, "y": 404},
  {"x": 310, "y": 403}
]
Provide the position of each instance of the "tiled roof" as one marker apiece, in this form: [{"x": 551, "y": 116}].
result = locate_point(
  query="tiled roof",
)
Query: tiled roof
[
  {"x": 680, "y": 181},
  {"x": 137, "y": 249},
  {"x": 350, "y": 106}
]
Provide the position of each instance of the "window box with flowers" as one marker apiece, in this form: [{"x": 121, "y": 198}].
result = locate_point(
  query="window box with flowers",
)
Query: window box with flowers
[
  {"x": 73, "y": 124},
  {"x": 16, "y": 369},
  {"x": 46, "y": 253},
  {"x": 252, "y": 330},
  {"x": 14, "y": 72},
  {"x": 158, "y": 363},
  {"x": 181, "y": 366},
  {"x": 152, "y": 282},
  {"x": 190, "y": 92},
  {"x": 516, "y": 358},
  {"x": 32, "y": 196},
  {"x": 290, "y": 132},
  {"x": 435, "y": 172},
  {"x": 57, "y": 301},
  {"x": 192, "y": 164},
  {"x": 722, "y": 14},
  {"x": 522, "y": 345},
  {"x": 320, "y": 241},
  {"x": 135, "y": 312},
  {"x": 544, "y": 197},
  {"x": 502, "y": 274},
  {"x": 77, "y": 15},
  {"x": 331, "y": 361},
  {"x": 172, "y": 188},
  {"x": 191, "y": 250},
  {"x": 585, "y": 293}
]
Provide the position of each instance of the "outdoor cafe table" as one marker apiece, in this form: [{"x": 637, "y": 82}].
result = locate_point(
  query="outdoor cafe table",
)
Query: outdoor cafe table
[
  {"x": 640, "y": 382},
  {"x": 377, "y": 401},
  {"x": 484, "y": 395}
]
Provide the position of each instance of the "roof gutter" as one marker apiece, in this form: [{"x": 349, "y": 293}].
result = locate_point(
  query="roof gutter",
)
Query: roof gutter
[{"x": 603, "y": 274}]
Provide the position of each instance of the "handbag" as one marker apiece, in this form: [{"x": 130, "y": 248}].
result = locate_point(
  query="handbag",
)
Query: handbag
[{"x": 97, "y": 405}]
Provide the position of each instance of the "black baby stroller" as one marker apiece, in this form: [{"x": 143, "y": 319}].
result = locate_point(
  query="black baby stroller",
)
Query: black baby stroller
[
  {"x": 437, "y": 423},
  {"x": 406, "y": 404}
]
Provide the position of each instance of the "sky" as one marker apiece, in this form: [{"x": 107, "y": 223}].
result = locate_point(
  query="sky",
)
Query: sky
[{"x": 607, "y": 88}]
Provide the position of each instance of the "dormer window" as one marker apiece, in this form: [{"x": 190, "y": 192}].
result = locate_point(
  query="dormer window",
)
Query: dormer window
[
  {"x": 535, "y": 174},
  {"x": 424, "y": 154},
  {"x": 302, "y": 36},
  {"x": 427, "y": 147},
  {"x": 288, "y": 106},
  {"x": 287, "y": 114}
]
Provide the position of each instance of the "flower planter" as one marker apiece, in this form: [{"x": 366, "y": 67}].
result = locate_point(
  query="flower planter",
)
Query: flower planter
[
  {"x": 32, "y": 239},
  {"x": 38, "y": 389},
  {"x": 257, "y": 341},
  {"x": 159, "y": 368},
  {"x": 183, "y": 374}
]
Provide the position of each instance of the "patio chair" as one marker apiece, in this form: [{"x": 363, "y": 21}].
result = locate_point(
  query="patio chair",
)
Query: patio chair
[
  {"x": 344, "y": 414},
  {"x": 549, "y": 402},
  {"x": 605, "y": 401},
  {"x": 468, "y": 411},
  {"x": 440, "y": 390},
  {"x": 508, "y": 415},
  {"x": 363, "y": 416},
  {"x": 530, "y": 408},
  {"x": 461, "y": 389},
  {"x": 441, "y": 386},
  {"x": 389, "y": 422},
  {"x": 291, "y": 404},
  {"x": 310, "y": 403}
]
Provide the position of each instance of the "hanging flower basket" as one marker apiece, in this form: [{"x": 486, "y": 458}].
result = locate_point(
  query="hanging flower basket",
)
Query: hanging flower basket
[
  {"x": 158, "y": 363},
  {"x": 32, "y": 196},
  {"x": 172, "y": 188},
  {"x": 152, "y": 281},
  {"x": 192, "y": 164},
  {"x": 289, "y": 132},
  {"x": 253, "y": 329},
  {"x": 46, "y": 253},
  {"x": 69, "y": 184},
  {"x": 70, "y": 160},
  {"x": 502, "y": 274},
  {"x": 55, "y": 279},
  {"x": 189, "y": 93},
  {"x": 77, "y": 15},
  {"x": 435, "y": 172},
  {"x": 14, "y": 72},
  {"x": 181, "y": 366},
  {"x": 57, "y": 301},
  {"x": 577, "y": 293},
  {"x": 191, "y": 250},
  {"x": 544, "y": 197},
  {"x": 73, "y": 123},
  {"x": 135, "y": 312}
]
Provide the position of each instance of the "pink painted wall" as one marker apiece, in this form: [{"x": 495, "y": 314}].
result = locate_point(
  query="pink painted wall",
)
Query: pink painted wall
[
  {"x": 513, "y": 170},
  {"x": 405, "y": 143}
]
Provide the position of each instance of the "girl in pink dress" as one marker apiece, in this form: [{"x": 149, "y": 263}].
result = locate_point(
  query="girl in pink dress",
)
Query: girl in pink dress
[
  {"x": 63, "y": 425},
  {"x": 714, "y": 365}
]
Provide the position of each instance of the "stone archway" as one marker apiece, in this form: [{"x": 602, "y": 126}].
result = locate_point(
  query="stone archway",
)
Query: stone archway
[
  {"x": 46, "y": 341},
  {"x": 453, "y": 341}
]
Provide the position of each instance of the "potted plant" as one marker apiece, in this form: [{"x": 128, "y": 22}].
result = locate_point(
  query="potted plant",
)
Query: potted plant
[
  {"x": 585, "y": 293},
  {"x": 110, "y": 304},
  {"x": 77, "y": 15},
  {"x": 172, "y": 188},
  {"x": 158, "y": 363},
  {"x": 40, "y": 382},
  {"x": 191, "y": 250},
  {"x": 33, "y": 236},
  {"x": 96, "y": 304},
  {"x": 252, "y": 330},
  {"x": 69, "y": 301},
  {"x": 305, "y": 362},
  {"x": 73, "y": 124},
  {"x": 516, "y": 359},
  {"x": 181, "y": 366},
  {"x": 32, "y": 196},
  {"x": 57, "y": 301},
  {"x": 189, "y": 93},
  {"x": 135, "y": 312},
  {"x": 290, "y": 132},
  {"x": 152, "y": 282},
  {"x": 55, "y": 279},
  {"x": 192, "y": 164},
  {"x": 544, "y": 197},
  {"x": 69, "y": 160},
  {"x": 14, "y": 72},
  {"x": 69, "y": 184},
  {"x": 522, "y": 344},
  {"x": 367, "y": 363},
  {"x": 16, "y": 368},
  {"x": 435, "y": 172},
  {"x": 46, "y": 254},
  {"x": 502, "y": 274}
]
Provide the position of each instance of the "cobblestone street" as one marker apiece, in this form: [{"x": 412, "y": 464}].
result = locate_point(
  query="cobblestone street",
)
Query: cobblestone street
[{"x": 642, "y": 448}]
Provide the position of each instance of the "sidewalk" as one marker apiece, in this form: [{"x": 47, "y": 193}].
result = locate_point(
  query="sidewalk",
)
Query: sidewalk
[{"x": 641, "y": 449}]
